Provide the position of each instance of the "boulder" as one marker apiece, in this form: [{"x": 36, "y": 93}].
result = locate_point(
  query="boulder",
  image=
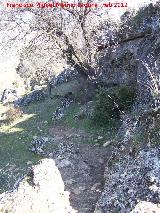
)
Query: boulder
[
  {"x": 38, "y": 144},
  {"x": 42, "y": 190},
  {"x": 8, "y": 96},
  {"x": 130, "y": 181}
]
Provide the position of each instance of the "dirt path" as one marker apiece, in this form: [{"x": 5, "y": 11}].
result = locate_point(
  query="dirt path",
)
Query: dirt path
[{"x": 81, "y": 165}]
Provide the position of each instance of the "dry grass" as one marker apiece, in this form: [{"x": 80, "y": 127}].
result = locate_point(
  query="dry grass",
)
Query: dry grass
[{"x": 13, "y": 113}]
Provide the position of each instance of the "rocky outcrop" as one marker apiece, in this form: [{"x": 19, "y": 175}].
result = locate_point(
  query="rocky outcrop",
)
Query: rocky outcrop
[
  {"x": 81, "y": 166},
  {"x": 37, "y": 144},
  {"x": 131, "y": 183},
  {"x": 144, "y": 206},
  {"x": 8, "y": 96},
  {"x": 69, "y": 83},
  {"x": 41, "y": 191},
  {"x": 37, "y": 95},
  {"x": 11, "y": 96},
  {"x": 61, "y": 110},
  {"x": 134, "y": 58},
  {"x": 65, "y": 76}
]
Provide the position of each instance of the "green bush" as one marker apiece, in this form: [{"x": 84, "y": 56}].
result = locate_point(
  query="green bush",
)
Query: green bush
[
  {"x": 126, "y": 97},
  {"x": 109, "y": 103}
]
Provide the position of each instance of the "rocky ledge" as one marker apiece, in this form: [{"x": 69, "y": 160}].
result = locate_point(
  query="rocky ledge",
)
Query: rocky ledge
[
  {"x": 42, "y": 190},
  {"x": 132, "y": 184}
]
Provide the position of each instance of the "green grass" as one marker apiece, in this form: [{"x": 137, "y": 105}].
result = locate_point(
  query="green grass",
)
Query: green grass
[
  {"x": 108, "y": 131},
  {"x": 16, "y": 137}
]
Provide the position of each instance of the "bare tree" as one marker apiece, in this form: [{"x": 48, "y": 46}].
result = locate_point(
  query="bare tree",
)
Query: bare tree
[{"x": 55, "y": 34}]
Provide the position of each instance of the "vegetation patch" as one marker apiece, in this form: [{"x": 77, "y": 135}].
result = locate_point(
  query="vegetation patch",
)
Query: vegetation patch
[
  {"x": 110, "y": 103},
  {"x": 16, "y": 137},
  {"x": 108, "y": 132},
  {"x": 13, "y": 113}
]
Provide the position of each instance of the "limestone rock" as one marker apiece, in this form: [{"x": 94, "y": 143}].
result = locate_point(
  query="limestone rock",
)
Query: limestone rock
[
  {"x": 41, "y": 191},
  {"x": 130, "y": 181},
  {"x": 100, "y": 138},
  {"x": 107, "y": 143},
  {"x": 8, "y": 96},
  {"x": 145, "y": 206},
  {"x": 37, "y": 95},
  {"x": 38, "y": 144}
]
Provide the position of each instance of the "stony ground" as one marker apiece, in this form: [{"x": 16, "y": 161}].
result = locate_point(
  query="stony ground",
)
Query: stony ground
[
  {"x": 132, "y": 184},
  {"x": 81, "y": 166},
  {"x": 79, "y": 154},
  {"x": 95, "y": 180},
  {"x": 41, "y": 191}
]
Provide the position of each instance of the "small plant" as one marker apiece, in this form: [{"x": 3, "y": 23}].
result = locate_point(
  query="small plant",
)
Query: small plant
[
  {"x": 13, "y": 113},
  {"x": 110, "y": 103},
  {"x": 137, "y": 140},
  {"x": 125, "y": 97},
  {"x": 153, "y": 83}
]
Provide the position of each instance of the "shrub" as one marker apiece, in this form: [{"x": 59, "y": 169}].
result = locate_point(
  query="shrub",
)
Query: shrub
[
  {"x": 109, "y": 103},
  {"x": 125, "y": 97},
  {"x": 13, "y": 113}
]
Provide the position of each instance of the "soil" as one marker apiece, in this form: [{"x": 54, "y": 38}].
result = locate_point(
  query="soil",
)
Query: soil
[{"x": 81, "y": 165}]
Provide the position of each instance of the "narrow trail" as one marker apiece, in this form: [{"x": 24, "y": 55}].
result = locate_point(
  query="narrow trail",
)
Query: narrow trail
[{"x": 81, "y": 165}]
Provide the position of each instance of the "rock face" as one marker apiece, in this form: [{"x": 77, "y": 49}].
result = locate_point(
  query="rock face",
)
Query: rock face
[
  {"x": 65, "y": 76},
  {"x": 69, "y": 83},
  {"x": 131, "y": 181},
  {"x": 135, "y": 58},
  {"x": 41, "y": 191},
  {"x": 11, "y": 96},
  {"x": 37, "y": 95},
  {"x": 80, "y": 164},
  {"x": 65, "y": 84}
]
